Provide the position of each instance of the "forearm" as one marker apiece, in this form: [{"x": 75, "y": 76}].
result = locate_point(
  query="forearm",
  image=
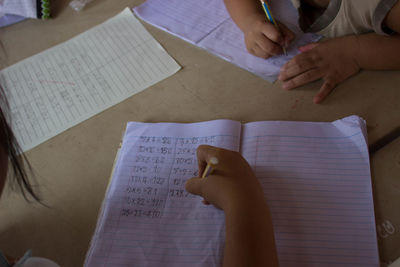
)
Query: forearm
[
  {"x": 241, "y": 10},
  {"x": 377, "y": 52},
  {"x": 249, "y": 238}
]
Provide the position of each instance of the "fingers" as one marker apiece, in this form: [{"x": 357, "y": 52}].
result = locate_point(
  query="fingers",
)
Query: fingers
[
  {"x": 270, "y": 31},
  {"x": 259, "y": 52},
  {"x": 266, "y": 49},
  {"x": 300, "y": 70},
  {"x": 307, "y": 47},
  {"x": 303, "y": 68},
  {"x": 197, "y": 186},
  {"x": 204, "y": 153},
  {"x": 303, "y": 78},
  {"x": 202, "y": 157},
  {"x": 266, "y": 40},
  {"x": 280, "y": 37},
  {"x": 305, "y": 60},
  {"x": 288, "y": 35},
  {"x": 325, "y": 90},
  {"x": 292, "y": 70},
  {"x": 194, "y": 186}
]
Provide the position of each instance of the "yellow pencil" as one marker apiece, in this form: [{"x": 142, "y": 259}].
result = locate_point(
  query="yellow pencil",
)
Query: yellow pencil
[
  {"x": 212, "y": 162},
  {"x": 271, "y": 19}
]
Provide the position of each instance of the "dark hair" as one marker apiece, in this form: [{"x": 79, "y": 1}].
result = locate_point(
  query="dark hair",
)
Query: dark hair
[{"x": 19, "y": 163}]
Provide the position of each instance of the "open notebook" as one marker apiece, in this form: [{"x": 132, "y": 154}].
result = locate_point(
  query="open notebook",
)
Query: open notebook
[{"x": 316, "y": 179}]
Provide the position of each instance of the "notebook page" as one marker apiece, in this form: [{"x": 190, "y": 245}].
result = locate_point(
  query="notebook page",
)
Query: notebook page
[
  {"x": 24, "y": 8},
  {"x": 148, "y": 219},
  {"x": 208, "y": 25},
  {"x": 190, "y": 20},
  {"x": 67, "y": 84},
  {"x": 6, "y": 20},
  {"x": 316, "y": 179}
]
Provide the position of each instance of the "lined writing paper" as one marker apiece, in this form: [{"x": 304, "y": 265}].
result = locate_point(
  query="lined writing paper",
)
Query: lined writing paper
[
  {"x": 148, "y": 219},
  {"x": 316, "y": 179},
  {"x": 24, "y": 8},
  {"x": 6, "y": 20},
  {"x": 67, "y": 84},
  {"x": 208, "y": 25}
]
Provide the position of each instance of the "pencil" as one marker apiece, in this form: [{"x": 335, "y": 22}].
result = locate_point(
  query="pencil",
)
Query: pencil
[
  {"x": 213, "y": 161},
  {"x": 271, "y": 19}
]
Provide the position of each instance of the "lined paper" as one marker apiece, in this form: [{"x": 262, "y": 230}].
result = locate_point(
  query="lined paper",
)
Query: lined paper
[
  {"x": 208, "y": 25},
  {"x": 148, "y": 219},
  {"x": 6, "y": 20},
  {"x": 67, "y": 84},
  {"x": 24, "y": 8},
  {"x": 315, "y": 177}
]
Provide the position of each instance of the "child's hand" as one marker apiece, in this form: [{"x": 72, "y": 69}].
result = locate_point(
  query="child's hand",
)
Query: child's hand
[
  {"x": 333, "y": 61},
  {"x": 263, "y": 39},
  {"x": 232, "y": 184}
]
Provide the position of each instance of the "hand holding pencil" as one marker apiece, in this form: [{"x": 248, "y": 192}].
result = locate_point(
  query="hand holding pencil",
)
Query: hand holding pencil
[
  {"x": 233, "y": 187},
  {"x": 264, "y": 35},
  {"x": 272, "y": 20},
  {"x": 226, "y": 179}
]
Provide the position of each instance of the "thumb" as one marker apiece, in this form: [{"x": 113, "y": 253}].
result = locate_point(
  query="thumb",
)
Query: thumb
[
  {"x": 194, "y": 186},
  {"x": 307, "y": 47}
]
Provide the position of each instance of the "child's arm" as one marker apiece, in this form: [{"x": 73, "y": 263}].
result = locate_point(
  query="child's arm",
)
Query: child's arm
[
  {"x": 261, "y": 37},
  {"x": 337, "y": 59},
  {"x": 234, "y": 188}
]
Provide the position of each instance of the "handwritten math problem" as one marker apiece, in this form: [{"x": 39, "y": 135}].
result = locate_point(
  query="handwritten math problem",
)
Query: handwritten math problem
[
  {"x": 159, "y": 170},
  {"x": 67, "y": 84},
  {"x": 150, "y": 202}
]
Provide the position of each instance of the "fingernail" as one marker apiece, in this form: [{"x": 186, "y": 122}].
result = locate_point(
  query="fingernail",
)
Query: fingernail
[
  {"x": 316, "y": 100},
  {"x": 301, "y": 49}
]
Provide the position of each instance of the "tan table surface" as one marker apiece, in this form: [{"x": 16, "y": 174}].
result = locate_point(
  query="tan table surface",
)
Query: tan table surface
[
  {"x": 73, "y": 168},
  {"x": 385, "y": 165}
]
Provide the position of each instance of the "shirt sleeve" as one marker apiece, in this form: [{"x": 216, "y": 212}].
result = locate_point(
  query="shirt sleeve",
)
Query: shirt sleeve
[{"x": 380, "y": 14}]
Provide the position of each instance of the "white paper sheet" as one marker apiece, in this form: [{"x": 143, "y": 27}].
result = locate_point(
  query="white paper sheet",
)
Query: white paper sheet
[
  {"x": 148, "y": 219},
  {"x": 67, "y": 84},
  {"x": 208, "y": 25},
  {"x": 6, "y": 20},
  {"x": 317, "y": 182},
  {"x": 315, "y": 177},
  {"x": 23, "y": 8}
]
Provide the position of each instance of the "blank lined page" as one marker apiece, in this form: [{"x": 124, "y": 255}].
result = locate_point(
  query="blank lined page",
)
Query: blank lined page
[
  {"x": 148, "y": 219},
  {"x": 208, "y": 25},
  {"x": 67, "y": 84},
  {"x": 317, "y": 182}
]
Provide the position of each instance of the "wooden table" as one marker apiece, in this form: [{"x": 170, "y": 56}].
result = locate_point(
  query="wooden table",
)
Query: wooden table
[
  {"x": 73, "y": 168},
  {"x": 386, "y": 187}
]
